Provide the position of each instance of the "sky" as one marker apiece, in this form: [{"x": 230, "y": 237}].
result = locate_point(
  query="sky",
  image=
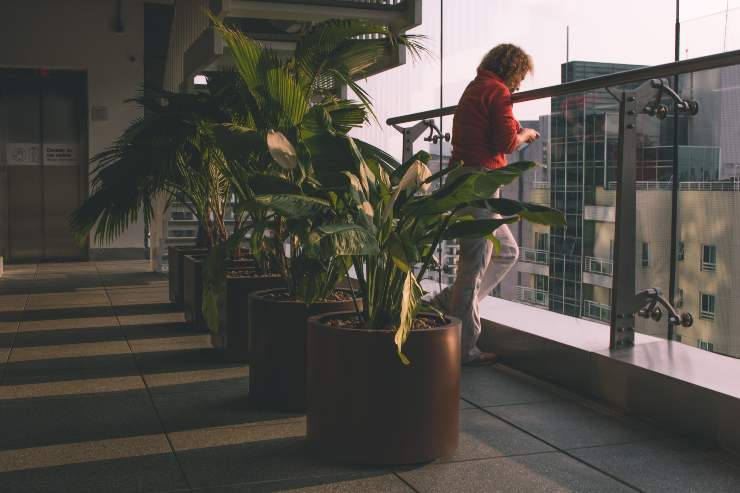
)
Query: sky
[{"x": 627, "y": 31}]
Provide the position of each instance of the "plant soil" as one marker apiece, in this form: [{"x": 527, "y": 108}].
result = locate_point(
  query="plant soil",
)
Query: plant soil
[
  {"x": 281, "y": 295},
  {"x": 422, "y": 322}
]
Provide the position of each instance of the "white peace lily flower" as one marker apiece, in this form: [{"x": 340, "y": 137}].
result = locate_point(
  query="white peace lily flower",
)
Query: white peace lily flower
[{"x": 281, "y": 150}]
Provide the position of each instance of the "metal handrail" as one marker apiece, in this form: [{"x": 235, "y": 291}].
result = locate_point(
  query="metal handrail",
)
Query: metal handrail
[{"x": 619, "y": 78}]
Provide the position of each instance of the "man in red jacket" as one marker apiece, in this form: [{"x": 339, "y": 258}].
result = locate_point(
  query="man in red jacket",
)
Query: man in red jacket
[{"x": 484, "y": 131}]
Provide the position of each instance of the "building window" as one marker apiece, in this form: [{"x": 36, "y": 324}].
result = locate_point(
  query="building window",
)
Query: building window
[
  {"x": 541, "y": 241},
  {"x": 681, "y": 251},
  {"x": 707, "y": 306},
  {"x": 709, "y": 258},
  {"x": 706, "y": 345},
  {"x": 540, "y": 282},
  {"x": 645, "y": 254}
]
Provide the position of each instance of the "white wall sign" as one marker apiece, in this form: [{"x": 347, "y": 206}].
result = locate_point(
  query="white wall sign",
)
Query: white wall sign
[
  {"x": 60, "y": 153},
  {"x": 23, "y": 154}
]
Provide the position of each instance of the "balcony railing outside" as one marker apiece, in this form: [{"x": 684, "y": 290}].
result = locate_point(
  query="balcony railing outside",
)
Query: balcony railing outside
[
  {"x": 532, "y": 296},
  {"x": 685, "y": 186},
  {"x": 534, "y": 256},
  {"x": 597, "y": 311},
  {"x": 598, "y": 265}
]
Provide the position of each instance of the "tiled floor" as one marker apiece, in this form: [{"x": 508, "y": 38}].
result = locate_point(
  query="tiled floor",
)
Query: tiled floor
[{"x": 103, "y": 387}]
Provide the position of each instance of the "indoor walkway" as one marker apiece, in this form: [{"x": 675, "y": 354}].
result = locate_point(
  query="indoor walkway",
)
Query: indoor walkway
[{"x": 104, "y": 388}]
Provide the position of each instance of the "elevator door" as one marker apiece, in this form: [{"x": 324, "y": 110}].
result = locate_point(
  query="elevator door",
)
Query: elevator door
[{"x": 43, "y": 165}]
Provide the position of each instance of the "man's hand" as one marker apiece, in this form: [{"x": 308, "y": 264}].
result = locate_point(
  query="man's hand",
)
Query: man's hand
[{"x": 526, "y": 136}]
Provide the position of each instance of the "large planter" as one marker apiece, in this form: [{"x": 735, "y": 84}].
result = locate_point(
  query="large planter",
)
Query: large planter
[
  {"x": 175, "y": 258},
  {"x": 192, "y": 273},
  {"x": 278, "y": 333},
  {"x": 364, "y": 406},
  {"x": 233, "y": 340}
]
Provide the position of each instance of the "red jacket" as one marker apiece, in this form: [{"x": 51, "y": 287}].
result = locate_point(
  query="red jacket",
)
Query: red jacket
[{"x": 484, "y": 128}]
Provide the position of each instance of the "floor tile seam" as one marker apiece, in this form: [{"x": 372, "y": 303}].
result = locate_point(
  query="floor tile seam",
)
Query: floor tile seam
[
  {"x": 493, "y": 457},
  {"x": 546, "y": 401},
  {"x": 635, "y": 424},
  {"x": 339, "y": 475},
  {"x": 146, "y": 387},
  {"x": 561, "y": 450},
  {"x": 3, "y": 367},
  {"x": 406, "y": 482}
]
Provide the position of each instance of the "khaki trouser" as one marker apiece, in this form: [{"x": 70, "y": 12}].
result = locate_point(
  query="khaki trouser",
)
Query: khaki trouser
[{"x": 479, "y": 271}]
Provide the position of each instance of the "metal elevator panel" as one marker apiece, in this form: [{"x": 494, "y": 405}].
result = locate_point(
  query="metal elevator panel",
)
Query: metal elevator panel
[
  {"x": 43, "y": 158},
  {"x": 61, "y": 108}
]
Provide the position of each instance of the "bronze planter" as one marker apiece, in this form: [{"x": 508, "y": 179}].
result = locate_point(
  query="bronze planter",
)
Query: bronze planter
[
  {"x": 365, "y": 407},
  {"x": 192, "y": 273},
  {"x": 277, "y": 329},
  {"x": 175, "y": 258},
  {"x": 233, "y": 339}
]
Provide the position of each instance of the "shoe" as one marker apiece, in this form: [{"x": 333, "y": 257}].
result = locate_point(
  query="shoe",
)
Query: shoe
[{"x": 483, "y": 359}]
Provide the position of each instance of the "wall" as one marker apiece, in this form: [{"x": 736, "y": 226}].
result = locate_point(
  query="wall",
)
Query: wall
[{"x": 77, "y": 34}]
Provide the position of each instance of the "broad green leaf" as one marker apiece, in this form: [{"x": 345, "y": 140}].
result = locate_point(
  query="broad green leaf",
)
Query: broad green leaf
[
  {"x": 346, "y": 239},
  {"x": 294, "y": 206},
  {"x": 238, "y": 142},
  {"x": 535, "y": 213},
  {"x": 461, "y": 190},
  {"x": 264, "y": 184},
  {"x": 475, "y": 228}
]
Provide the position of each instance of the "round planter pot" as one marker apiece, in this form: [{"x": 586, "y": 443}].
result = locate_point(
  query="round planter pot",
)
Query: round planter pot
[
  {"x": 366, "y": 407},
  {"x": 233, "y": 340},
  {"x": 192, "y": 273},
  {"x": 175, "y": 258},
  {"x": 278, "y": 330}
]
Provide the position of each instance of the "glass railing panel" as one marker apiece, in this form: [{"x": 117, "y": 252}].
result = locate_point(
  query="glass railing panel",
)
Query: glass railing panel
[{"x": 707, "y": 271}]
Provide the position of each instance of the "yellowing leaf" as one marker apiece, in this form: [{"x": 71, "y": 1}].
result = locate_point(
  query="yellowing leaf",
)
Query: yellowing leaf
[
  {"x": 281, "y": 150},
  {"x": 411, "y": 291}
]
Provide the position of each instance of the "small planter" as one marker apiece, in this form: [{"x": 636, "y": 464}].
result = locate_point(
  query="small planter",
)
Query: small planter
[
  {"x": 233, "y": 340},
  {"x": 175, "y": 258},
  {"x": 364, "y": 406},
  {"x": 277, "y": 370},
  {"x": 192, "y": 274}
]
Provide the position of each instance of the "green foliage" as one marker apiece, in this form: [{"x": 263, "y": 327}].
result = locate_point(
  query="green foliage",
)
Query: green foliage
[{"x": 408, "y": 223}]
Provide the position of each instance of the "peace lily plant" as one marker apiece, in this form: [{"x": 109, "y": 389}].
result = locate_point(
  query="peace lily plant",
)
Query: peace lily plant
[{"x": 408, "y": 223}]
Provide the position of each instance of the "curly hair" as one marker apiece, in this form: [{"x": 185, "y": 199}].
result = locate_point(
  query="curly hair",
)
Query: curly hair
[{"x": 509, "y": 62}]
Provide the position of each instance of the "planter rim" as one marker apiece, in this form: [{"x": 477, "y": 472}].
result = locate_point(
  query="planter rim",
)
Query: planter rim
[
  {"x": 319, "y": 319},
  {"x": 259, "y": 295}
]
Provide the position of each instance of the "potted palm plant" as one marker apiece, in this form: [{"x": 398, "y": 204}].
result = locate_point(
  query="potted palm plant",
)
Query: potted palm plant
[
  {"x": 166, "y": 153},
  {"x": 285, "y": 144},
  {"x": 383, "y": 381}
]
